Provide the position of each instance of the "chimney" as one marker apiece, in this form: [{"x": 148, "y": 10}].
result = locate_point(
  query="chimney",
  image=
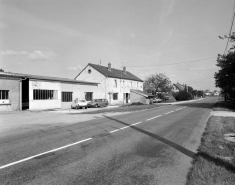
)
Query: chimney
[
  {"x": 109, "y": 66},
  {"x": 124, "y": 70}
]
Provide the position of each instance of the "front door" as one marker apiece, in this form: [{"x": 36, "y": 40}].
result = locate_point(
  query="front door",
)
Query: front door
[
  {"x": 125, "y": 97},
  {"x": 25, "y": 94}
]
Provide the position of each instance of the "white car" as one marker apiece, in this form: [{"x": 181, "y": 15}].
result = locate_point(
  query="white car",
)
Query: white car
[
  {"x": 79, "y": 103},
  {"x": 157, "y": 100}
]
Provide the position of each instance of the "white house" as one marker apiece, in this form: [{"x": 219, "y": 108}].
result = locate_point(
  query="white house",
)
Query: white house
[
  {"x": 216, "y": 93},
  {"x": 114, "y": 84}
]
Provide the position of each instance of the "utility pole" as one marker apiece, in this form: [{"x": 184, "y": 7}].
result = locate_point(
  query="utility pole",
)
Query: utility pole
[{"x": 121, "y": 83}]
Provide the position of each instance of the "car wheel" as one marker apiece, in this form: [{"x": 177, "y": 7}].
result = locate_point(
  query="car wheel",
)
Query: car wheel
[{"x": 85, "y": 107}]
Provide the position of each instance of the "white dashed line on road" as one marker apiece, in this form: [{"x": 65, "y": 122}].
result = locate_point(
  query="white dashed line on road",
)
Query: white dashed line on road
[
  {"x": 124, "y": 127},
  {"x": 178, "y": 109},
  {"x": 72, "y": 144},
  {"x": 34, "y": 156},
  {"x": 114, "y": 131},
  {"x": 169, "y": 112},
  {"x": 154, "y": 117},
  {"x": 135, "y": 123}
]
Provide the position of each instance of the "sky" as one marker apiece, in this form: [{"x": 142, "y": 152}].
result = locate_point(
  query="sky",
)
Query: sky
[{"x": 60, "y": 37}]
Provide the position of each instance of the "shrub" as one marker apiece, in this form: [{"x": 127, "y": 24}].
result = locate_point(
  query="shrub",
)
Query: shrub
[
  {"x": 182, "y": 96},
  {"x": 137, "y": 103}
]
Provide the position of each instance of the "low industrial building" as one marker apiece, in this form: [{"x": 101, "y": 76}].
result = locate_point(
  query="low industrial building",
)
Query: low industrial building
[{"x": 32, "y": 92}]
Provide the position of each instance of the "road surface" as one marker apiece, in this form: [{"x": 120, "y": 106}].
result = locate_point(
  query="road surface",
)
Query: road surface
[{"x": 154, "y": 146}]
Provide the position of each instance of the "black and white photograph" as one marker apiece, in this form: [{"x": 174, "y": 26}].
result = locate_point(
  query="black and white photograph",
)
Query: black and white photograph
[{"x": 117, "y": 92}]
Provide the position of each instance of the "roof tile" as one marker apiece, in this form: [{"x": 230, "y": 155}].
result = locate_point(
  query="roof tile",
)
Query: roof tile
[{"x": 115, "y": 73}]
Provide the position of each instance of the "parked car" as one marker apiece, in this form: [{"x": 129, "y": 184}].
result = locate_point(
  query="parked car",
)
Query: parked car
[
  {"x": 79, "y": 103},
  {"x": 98, "y": 103},
  {"x": 157, "y": 100},
  {"x": 167, "y": 97}
]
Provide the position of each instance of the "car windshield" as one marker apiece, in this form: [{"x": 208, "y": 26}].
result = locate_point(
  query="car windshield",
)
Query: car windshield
[
  {"x": 82, "y": 100},
  {"x": 95, "y": 100}
]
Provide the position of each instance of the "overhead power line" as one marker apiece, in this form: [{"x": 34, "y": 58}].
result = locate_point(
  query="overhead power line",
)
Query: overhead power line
[
  {"x": 231, "y": 27},
  {"x": 196, "y": 81},
  {"x": 175, "y": 63}
]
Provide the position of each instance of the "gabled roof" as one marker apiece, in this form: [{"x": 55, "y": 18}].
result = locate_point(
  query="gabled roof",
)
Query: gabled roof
[
  {"x": 142, "y": 93},
  {"x": 37, "y": 77},
  {"x": 179, "y": 86},
  {"x": 114, "y": 73}
]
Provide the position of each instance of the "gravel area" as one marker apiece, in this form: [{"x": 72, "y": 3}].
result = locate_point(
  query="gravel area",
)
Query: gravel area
[{"x": 32, "y": 120}]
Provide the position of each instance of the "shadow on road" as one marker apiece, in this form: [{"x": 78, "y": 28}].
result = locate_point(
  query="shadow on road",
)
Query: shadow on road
[
  {"x": 165, "y": 141},
  {"x": 198, "y": 104}
]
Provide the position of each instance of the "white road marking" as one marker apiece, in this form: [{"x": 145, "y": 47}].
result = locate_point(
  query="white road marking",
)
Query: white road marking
[
  {"x": 169, "y": 112},
  {"x": 114, "y": 131},
  {"x": 181, "y": 108},
  {"x": 178, "y": 109},
  {"x": 56, "y": 149},
  {"x": 135, "y": 123},
  {"x": 124, "y": 127},
  {"x": 153, "y": 117}
]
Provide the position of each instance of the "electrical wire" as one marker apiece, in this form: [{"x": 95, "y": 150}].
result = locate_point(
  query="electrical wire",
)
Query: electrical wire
[
  {"x": 232, "y": 20},
  {"x": 175, "y": 63}
]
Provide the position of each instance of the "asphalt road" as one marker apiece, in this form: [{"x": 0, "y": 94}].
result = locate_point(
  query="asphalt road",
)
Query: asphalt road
[{"x": 154, "y": 146}]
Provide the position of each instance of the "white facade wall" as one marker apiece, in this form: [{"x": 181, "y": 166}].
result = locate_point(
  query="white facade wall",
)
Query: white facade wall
[
  {"x": 44, "y": 104},
  {"x": 107, "y": 85},
  {"x": 69, "y": 88},
  {"x": 95, "y": 76},
  {"x": 94, "y": 89}
]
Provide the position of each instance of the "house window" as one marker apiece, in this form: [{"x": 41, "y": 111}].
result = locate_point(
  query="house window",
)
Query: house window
[
  {"x": 131, "y": 83},
  {"x": 115, "y": 81},
  {"x": 4, "y": 96},
  {"x": 89, "y": 96},
  {"x": 67, "y": 96},
  {"x": 115, "y": 96},
  {"x": 89, "y": 71},
  {"x": 123, "y": 83},
  {"x": 40, "y": 94}
]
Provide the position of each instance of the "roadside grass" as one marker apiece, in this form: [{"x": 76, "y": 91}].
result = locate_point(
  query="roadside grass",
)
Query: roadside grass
[
  {"x": 215, "y": 161},
  {"x": 125, "y": 108}
]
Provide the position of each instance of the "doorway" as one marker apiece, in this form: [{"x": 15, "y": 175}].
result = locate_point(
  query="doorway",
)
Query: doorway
[
  {"x": 126, "y": 97},
  {"x": 89, "y": 96},
  {"x": 25, "y": 94}
]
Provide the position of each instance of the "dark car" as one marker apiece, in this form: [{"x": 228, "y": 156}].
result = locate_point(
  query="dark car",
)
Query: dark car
[{"x": 98, "y": 103}]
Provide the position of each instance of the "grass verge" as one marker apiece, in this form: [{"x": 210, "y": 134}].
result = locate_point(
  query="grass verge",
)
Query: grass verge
[{"x": 215, "y": 160}]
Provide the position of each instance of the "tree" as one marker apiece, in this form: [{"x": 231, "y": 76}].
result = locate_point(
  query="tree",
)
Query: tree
[
  {"x": 1, "y": 70},
  {"x": 157, "y": 83},
  {"x": 194, "y": 92},
  {"x": 225, "y": 77},
  {"x": 200, "y": 93}
]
